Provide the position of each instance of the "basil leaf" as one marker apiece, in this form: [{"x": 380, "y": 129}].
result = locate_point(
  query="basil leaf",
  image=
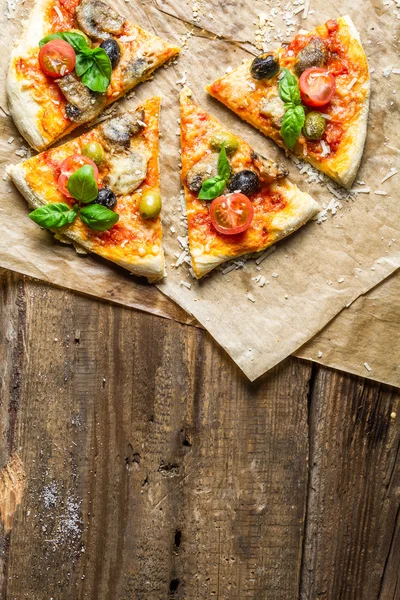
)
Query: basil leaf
[
  {"x": 224, "y": 168},
  {"x": 292, "y": 124},
  {"x": 53, "y": 215},
  {"x": 289, "y": 88},
  {"x": 98, "y": 217},
  {"x": 82, "y": 184},
  {"x": 83, "y": 63},
  {"x": 212, "y": 188},
  {"x": 97, "y": 77},
  {"x": 76, "y": 40}
]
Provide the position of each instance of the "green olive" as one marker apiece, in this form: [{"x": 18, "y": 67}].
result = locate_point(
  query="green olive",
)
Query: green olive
[
  {"x": 314, "y": 126},
  {"x": 230, "y": 141},
  {"x": 95, "y": 152},
  {"x": 88, "y": 40},
  {"x": 150, "y": 205}
]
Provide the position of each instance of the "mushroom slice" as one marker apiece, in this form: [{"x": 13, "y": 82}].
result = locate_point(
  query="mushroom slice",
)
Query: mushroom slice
[
  {"x": 98, "y": 20},
  {"x": 268, "y": 169},
  {"x": 126, "y": 173},
  {"x": 204, "y": 169},
  {"x": 117, "y": 132},
  {"x": 315, "y": 54},
  {"x": 135, "y": 69},
  {"x": 83, "y": 105}
]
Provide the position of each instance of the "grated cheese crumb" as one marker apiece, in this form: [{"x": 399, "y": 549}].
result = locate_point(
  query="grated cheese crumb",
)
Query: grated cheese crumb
[
  {"x": 392, "y": 172},
  {"x": 352, "y": 83},
  {"x": 367, "y": 366},
  {"x": 251, "y": 297},
  {"x": 340, "y": 280},
  {"x": 275, "y": 275},
  {"x": 306, "y": 9},
  {"x": 263, "y": 256},
  {"x": 10, "y": 140},
  {"x": 59, "y": 13},
  {"x": 185, "y": 284},
  {"x": 319, "y": 354},
  {"x": 380, "y": 193}
]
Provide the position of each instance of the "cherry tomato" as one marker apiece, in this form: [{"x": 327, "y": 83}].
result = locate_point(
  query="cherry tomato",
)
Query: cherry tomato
[
  {"x": 69, "y": 166},
  {"x": 231, "y": 214},
  {"x": 57, "y": 58},
  {"x": 317, "y": 86}
]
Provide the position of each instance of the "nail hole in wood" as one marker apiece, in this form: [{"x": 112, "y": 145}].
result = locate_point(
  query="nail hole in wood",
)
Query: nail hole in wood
[
  {"x": 177, "y": 539},
  {"x": 174, "y": 584}
]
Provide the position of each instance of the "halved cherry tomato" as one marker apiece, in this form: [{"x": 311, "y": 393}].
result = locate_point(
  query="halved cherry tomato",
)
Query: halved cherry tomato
[
  {"x": 57, "y": 58},
  {"x": 317, "y": 86},
  {"x": 69, "y": 166},
  {"x": 231, "y": 214}
]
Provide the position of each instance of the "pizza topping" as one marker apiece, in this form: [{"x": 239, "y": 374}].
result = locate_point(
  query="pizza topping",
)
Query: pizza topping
[
  {"x": 268, "y": 169},
  {"x": 94, "y": 151},
  {"x": 56, "y": 58},
  {"x": 314, "y": 126},
  {"x": 106, "y": 197},
  {"x": 82, "y": 184},
  {"x": 247, "y": 182},
  {"x": 150, "y": 204},
  {"x": 273, "y": 107},
  {"x": 204, "y": 169},
  {"x": 294, "y": 117},
  {"x": 231, "y": 214},
  {"x": 117, "y": 132},
  {"x": 135, "y": 69},
  {"x": 69, "y": 166},
  {"x": 98, "y": 20},
  {"x": 228, "y": 139},
  {"x": 126, "y": 173},
  {"x": 83, "y": 104},
  {"x": 265, "y": 66},
  {"x": 98, "y": 217},
  {"x": 92, "y": 64},
  {"x": 113, "y": 51},
  {"x": 317, "y": 86},
  {"x": 54, "y": 215},
  {"x": 315, "y": 54}
]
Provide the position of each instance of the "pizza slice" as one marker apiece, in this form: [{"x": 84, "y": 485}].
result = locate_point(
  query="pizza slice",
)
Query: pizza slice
[
  {"x": 310, "y": 96},
  {"x": 101, "y": 191},
  {"x": 237, "y": 201},
  {"x": 74, "y": 58}
]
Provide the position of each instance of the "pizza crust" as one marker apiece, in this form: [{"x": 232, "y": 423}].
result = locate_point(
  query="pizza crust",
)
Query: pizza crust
[
  {"x": 150, "y": 266},
  {"x": 300, "y": 208}
]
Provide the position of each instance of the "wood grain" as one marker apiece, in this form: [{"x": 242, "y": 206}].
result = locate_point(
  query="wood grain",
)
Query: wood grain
[{"x": 155, "y": 470}]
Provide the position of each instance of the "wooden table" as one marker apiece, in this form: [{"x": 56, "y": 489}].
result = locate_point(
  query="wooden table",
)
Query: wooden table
[{"x": 147, "y": 467}]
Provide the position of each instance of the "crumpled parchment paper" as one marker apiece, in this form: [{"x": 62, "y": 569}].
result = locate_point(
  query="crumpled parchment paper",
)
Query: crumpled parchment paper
[{"x": 313, "y": 274}]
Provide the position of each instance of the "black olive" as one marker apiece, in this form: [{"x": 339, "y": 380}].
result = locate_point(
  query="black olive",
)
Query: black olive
[
  {"x": 246, "y": 182},
  {"x": 106, "y": 198},
  {"x": 72, "y": 111},
  {"x": 113, "y": 51},
  {"x": 265, "y": 66}
]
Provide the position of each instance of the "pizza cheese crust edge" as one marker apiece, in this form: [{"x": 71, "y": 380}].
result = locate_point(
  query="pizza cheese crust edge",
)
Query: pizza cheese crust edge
[
  {"x": 299, "y": 208},
  {"x": 343, "y": 165},
  {"x": 25, "y": 110},
  {"x": 150, "y": 266}
]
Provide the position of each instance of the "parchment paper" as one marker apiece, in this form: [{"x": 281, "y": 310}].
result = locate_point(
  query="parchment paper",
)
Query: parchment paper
[
  {"x": 365, "y": 338},
  {"x": 354, "y": 246}
]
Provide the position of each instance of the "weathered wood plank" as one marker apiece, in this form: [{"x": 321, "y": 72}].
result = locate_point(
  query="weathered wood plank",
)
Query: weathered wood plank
[
  {"x": 154, "y": 469},
  {"x": 352, "y": 543}
]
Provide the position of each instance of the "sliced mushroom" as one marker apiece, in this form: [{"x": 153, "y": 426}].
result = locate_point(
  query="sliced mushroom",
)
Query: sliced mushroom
[
  {"x": 126, "y": 173},
  {"x": 83, "y": 104},
  {"x": 272, "y": 106},
  {"x": 117, "y": 132},
  {"x": 98, "y": 20},
  {"x": 315, "y": 54},
  {"x": 135, "y": 69},
  {"x": 268, "y": 169},
  {"x": 204, "y": 169}
]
